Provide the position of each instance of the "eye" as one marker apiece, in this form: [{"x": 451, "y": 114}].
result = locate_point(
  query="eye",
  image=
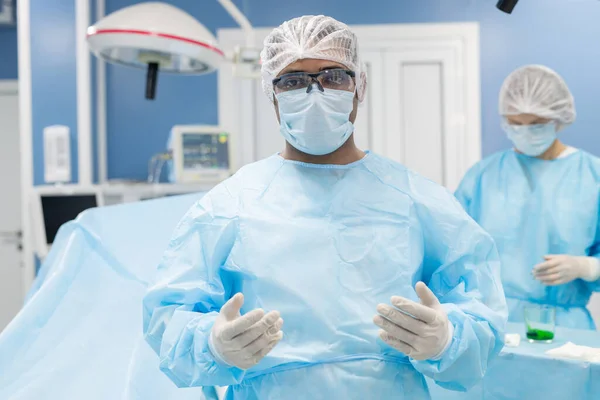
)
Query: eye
[
  {"x": 336, "y": 78},
  {"x": 292, "y": 82}
]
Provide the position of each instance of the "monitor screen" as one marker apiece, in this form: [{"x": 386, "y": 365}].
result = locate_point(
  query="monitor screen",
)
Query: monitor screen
[
  {"x": 60, "y": 209},
  {"x": 205, "y": 151}
]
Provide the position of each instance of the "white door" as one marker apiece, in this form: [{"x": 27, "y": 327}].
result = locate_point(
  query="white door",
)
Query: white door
[
  {"x": 371, "y": 112},
  {"x": 422, "y": 107},
  {"x": 419, "y": 104},
  {"x": 11, "y": 287}
]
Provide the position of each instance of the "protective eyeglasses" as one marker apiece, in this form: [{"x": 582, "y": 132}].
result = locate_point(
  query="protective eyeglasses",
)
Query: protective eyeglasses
[{"x": 338, "y": 79}]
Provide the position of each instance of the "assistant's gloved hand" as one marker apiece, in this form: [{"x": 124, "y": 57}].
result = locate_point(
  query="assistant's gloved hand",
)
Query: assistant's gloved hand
[
  {"x": 561, "y": 269},
  {"x": 424, "y": 334},
  {"x": 242, "y": 341}
]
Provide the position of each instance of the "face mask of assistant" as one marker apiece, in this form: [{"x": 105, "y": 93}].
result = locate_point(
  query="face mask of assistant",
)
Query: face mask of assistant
[
  {"x": 532, "y": 140},
  {"x": 316, "y": 123}
]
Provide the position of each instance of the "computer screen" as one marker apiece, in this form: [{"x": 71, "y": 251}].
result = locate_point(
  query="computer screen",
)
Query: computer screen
[
  {"x": 58, "y": 210},
  {"x": 207, "y": 151}
]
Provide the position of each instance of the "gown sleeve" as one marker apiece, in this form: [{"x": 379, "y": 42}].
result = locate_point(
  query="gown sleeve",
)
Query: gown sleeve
[
  {"x": 594, "y": 250},
  {"x": 461, "y": 266},
  {"x": 179, "y": 310},
  {"x": 467, "y": 190}
]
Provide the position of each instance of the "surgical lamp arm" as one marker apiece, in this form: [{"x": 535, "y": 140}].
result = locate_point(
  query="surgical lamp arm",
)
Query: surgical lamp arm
[{"x": 241, "y": 19}]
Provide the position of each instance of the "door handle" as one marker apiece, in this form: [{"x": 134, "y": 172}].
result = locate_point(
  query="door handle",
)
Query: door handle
[
  {"x": 12, "y": 237},
  {"x": 11, "y": 234}
]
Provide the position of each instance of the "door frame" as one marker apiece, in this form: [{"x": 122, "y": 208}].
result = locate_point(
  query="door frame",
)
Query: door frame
[
  {"x": 25, "y": 136},
  {"x": 236, "y": 109},
  {"x": 11, "y": 87}
]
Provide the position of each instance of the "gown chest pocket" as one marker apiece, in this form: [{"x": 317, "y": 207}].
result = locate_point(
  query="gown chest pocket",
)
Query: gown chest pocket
[{"x": 375, "y": 253}]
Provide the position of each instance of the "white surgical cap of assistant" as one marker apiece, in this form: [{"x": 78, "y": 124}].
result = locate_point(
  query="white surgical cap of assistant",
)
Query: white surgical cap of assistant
[
  {"x": 537, "y": 90},
  {"x": 317, "y": 37}
]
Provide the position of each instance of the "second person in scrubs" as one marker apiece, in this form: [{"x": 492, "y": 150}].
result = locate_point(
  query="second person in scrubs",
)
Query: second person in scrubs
[{"x": 539, "y": 201}]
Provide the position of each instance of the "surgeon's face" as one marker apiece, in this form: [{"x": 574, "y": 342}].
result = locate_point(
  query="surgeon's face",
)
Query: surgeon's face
[
  {"x": 526, "y": 119},
  {"x": 313, "y": 66}
]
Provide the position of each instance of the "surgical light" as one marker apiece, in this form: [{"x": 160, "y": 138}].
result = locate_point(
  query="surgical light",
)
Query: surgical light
[
  {"x": 156, "y": 37},
  {"x": 506, "y": 6}
]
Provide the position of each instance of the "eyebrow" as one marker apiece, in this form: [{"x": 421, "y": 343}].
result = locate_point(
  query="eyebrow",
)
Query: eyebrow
[
  {"x": 294, "y": 71},
  {"x": 331, "y": 67}
]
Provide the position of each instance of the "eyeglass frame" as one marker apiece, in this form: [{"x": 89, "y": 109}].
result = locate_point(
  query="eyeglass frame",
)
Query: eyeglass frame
[{"x": 314, "y": 76}]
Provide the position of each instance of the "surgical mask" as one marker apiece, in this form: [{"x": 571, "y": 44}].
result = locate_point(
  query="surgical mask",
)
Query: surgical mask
[
  {"x": 316, "y": 123},
  {"x": 532, "y": 140}
]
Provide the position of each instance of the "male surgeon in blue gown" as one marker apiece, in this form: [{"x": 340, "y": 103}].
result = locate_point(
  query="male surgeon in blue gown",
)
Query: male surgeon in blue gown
[
  {"x": 539, "y": 201},
  {"x": 376, "y": 275}
]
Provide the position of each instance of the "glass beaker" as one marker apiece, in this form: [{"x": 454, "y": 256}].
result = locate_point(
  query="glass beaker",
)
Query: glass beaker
[{"x": 540, "y": 322}]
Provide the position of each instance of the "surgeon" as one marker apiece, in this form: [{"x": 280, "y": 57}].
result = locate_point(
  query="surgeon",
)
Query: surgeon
[
  {"x": 325, "y": 271},
  {"x": 539, "y": 201}
]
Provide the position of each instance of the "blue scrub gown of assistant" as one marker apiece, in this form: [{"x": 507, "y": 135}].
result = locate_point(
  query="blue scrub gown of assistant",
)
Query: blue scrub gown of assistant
[
  {"x": 533, "y": 208},
  {"x": 323, "y": 245}
]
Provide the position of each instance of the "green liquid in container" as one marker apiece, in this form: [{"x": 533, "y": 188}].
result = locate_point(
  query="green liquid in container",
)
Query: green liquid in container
[{"x": 538, "y": 334}]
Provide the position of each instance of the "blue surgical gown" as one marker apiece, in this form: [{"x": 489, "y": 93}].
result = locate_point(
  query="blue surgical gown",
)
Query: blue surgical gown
[
  {"x": 532, "y": 208},
  {"x": 323, "y": 245}
]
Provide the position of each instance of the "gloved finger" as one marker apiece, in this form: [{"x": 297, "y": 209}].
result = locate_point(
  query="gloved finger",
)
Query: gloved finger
[
  {"x": 262, "y": 342},
  {"x": 419, "y": 311},
  {"x": 426, "y": 296},
  {"x": 391, "y": 313},
  {"x": 276, "y": 327},
  {"x": 549, "y": 276},
  {"x": 547, "y": 272},
  {"x": 399, "y": 345},
  {"x": 258, "y": 356},
  {"x": 546, "y": 265},
  {"x": 266, "y": 350},
  {"x": 231, "y": 309},
  {"x": 252, "y": 334},
  {"x": 259, "y": 328},
  {"x": 399, "y": 318},
  {"x": 551, "y": 279},
  {"x": 241, "y": 324},
  {"x": 396, "y": 331}
]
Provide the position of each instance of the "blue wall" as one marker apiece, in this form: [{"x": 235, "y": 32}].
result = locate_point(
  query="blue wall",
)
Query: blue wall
[
  {"x": 8, "y": 52},
  {"x": 559, "y": 33},
  {"x": 53, "y": 78}
]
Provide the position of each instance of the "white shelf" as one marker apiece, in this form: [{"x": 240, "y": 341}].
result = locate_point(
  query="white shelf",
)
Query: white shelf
[{"x": 142, "y": 189}]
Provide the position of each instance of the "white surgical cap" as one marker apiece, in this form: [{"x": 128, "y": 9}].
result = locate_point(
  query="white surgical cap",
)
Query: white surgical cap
[
  {"x": 317, "y": 37},
  {"x": 537, "y": 90}
]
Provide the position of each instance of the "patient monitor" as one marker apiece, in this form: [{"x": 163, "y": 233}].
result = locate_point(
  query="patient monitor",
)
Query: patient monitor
[
  {"x": 200, "y": 154},
  {"x": 51, "y": 208}
]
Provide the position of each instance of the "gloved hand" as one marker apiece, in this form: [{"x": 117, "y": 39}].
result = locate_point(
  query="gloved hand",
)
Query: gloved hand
[
  {"x": 561, "y": 269},
  {"x": 242, "y": 341},
  {"x": 424, "y": 334}
]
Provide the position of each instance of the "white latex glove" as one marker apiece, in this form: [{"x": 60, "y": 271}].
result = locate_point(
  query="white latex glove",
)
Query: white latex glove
[
  {"x": 242, "y": 341},
  {"x": 425, "y": 334},
  {"x": 561, "y": 269}
]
